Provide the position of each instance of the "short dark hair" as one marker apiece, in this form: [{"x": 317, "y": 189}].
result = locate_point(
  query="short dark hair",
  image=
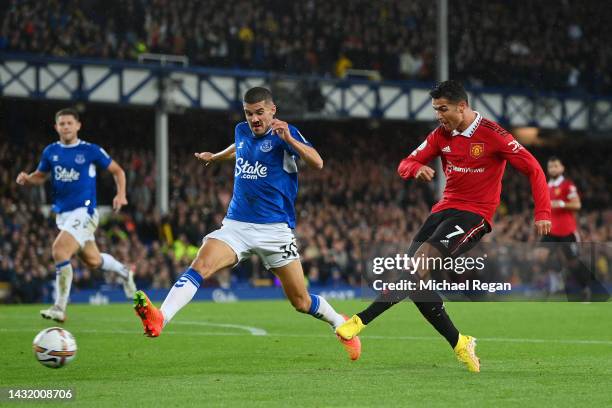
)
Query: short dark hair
[
  {"x": 451, "y": 90},
  {"x": 67, "y": 112},
  {"x": 258, "y": 94},
  {"x": 554, "y": 158}
]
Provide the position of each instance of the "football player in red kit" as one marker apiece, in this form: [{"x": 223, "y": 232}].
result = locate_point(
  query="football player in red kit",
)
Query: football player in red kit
[
  {"x": 474, "y": 152},
  {"x": 563, "y": 237}
]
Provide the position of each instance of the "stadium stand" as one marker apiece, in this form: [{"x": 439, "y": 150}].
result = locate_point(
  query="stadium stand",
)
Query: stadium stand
[{"x": 562, "y": 45}]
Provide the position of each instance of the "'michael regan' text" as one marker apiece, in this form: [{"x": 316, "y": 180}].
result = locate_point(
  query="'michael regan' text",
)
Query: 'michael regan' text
[{"x": 474, "y": 285}]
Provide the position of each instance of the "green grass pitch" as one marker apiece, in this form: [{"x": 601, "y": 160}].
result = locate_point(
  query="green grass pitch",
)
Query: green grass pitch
[{"x": 532, "y": 354}]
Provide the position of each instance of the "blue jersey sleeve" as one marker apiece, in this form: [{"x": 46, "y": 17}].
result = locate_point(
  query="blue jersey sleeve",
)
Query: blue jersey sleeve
[
  {"x": 295, "y": 133},
  {"x": 45, "y": 162},
  {"x": 100, "y": 157}
]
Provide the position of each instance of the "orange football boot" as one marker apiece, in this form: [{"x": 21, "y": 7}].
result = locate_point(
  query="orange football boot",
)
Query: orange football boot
[
  {"x": 352, "y": 346},
  {"x": 152, "y": 318}
]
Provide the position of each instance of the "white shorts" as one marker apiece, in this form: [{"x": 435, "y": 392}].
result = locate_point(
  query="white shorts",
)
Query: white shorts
[
  {"x": 275, "y": 243},
  {"x": 79, "y": 224}
]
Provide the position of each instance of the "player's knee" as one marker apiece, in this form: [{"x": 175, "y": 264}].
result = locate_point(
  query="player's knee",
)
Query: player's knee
[
  {"x": 301, "y": 303},
  {"x": 203, "y": 266},
  {"x": 59, "y": 253},
  {"x": 426, "y": 251},
  {"x": 91, "y": 262},
  {"x": 429, "y": 250}
]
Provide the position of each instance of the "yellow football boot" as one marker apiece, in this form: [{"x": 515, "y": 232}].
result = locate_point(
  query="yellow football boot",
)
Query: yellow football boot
[
  {"x": 350, "y": 328},
  {"x": 466, "y": 352}
]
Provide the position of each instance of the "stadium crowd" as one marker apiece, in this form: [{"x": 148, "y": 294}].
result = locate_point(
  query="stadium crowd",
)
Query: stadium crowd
[
  {"x": 560, "y": 45},
  {"x": 354, "y": 209}
]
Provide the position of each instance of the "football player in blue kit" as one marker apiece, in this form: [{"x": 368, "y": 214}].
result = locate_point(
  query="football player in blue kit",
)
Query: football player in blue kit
[
  {"x": 71, "y": 163},
  {"x": 260, "y": 219}
]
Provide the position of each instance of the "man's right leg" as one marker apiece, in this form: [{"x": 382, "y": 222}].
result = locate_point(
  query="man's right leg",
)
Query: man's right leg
[
  {"x": 429, "y": 303},
  {"x": 213, "y": 256},
  {"x": 443, "y": 241},
  {"x": 385, "y": 301},
  {"x": 64, "y": 246}
]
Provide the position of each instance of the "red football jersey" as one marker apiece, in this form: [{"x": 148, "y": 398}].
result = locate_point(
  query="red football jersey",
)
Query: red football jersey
[
  {"x": 474, "y": 162},
  {"x": 563, "y": 220}
]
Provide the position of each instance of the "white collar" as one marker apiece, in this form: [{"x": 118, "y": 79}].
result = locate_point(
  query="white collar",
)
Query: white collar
[
  {"x": 556, "y": 182},
  {"x": 78, "y": 142},
  {"x": 269, "y": 131},
  {"x": 470, "y": 129}
]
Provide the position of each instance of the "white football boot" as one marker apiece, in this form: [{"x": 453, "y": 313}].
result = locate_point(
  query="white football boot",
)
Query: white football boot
[{"x": 54, "y": 313}]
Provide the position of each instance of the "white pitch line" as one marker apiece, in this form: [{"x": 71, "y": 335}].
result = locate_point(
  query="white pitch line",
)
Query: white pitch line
[
  {"x": 373, "y": 337},
  {"x": 480, "y": 339},
  {"x": 499, "y": 340},
  {"x": 255, "y": 331},
  {"x": 130, "y": 332}
]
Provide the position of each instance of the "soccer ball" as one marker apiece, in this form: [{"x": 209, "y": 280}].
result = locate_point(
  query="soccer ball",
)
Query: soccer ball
[{"x": 54, "y": 347}]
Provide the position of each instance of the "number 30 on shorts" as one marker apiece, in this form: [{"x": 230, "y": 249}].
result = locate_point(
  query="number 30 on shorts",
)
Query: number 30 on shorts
[{"x": 290, "y": 250}]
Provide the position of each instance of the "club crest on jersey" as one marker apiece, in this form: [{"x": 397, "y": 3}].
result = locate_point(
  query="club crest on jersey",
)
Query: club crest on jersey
[
  {"x": 557, "y": 191},
  {"x": 266, "y": 146},
  {"x": 79, "y": 159},
  {"x": 476, "y": 150}
]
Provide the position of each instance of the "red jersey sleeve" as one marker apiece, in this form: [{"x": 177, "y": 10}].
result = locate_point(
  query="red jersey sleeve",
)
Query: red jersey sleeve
[
  {"x": 524, "y": 162},
  {"x": 572, "y": 191},
  {"x": 422, "y": 155}
]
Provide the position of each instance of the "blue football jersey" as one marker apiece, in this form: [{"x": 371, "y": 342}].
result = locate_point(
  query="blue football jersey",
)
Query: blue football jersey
[
  {"x": 265, "y": 177},
  {"x": 73, "y": 173}
]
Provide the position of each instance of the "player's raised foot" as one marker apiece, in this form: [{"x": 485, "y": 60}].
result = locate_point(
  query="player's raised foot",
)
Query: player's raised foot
[
  {"x": 152, "y": 318},
  {"x": 350, "y": 328},
  {"x": 352, "y": 346},
  {"x": 129, "y": 286},
  {"x": 465, "y": 350},
  {"x": 54, "y": 313}
]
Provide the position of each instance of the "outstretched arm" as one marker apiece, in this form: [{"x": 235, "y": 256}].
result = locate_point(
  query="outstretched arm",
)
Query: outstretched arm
[
  {"x": 35, "y": 178},
  {"x": 119, "y": 175},
  {"x": 415, "y": 164},
  {"x": 208, "y": 158}
]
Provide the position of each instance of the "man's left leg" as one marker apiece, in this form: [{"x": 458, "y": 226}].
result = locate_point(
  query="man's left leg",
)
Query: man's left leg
[
  {"x": 457, "y": 234},
  {"x": 91, "y": 256},
  {"x": 291, "y": 276}
]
